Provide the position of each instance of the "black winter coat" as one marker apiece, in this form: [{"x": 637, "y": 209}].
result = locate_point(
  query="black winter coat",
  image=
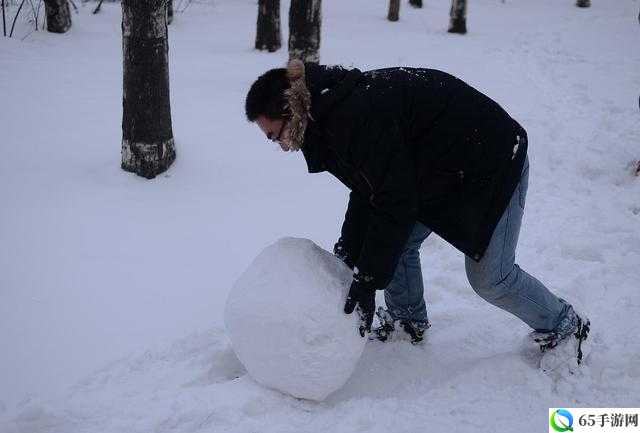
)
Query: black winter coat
[{"x": 411, "y": 145}]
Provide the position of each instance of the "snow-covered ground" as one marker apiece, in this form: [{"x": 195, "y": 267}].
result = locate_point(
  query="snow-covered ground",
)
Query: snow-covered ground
[{"x": 98, "y": 264}]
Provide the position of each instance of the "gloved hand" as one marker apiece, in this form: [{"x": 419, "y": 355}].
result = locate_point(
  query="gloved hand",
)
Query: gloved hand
[
  {"x": 362, "y": 294},
  {"x": 340, "y": 251}
]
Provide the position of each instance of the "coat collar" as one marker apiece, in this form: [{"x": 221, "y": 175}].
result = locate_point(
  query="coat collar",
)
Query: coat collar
[{"x": 328, "y": 87}]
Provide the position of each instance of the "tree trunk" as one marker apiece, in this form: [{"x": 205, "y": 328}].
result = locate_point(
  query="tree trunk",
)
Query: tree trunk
[
  {"x": 4, "y": 21},
  {"x": 268, "y": 28},
  {"x": 583, "y": 3},
  {"x": 147, "y": 137},
  {"x": 416, "y": 3},
  {"x": 458, "y": 15},
  {"x": 394, "y": 10},
  {"x": 169, "y": 11},
  {"x": 58, "y": 15},
  {"x": 304, "y": 30}
]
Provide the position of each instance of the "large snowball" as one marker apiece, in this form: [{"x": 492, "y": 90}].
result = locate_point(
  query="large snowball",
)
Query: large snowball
[{"x": 285, "y": 320}]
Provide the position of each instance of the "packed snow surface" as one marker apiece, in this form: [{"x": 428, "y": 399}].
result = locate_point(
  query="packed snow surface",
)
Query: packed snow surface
[
  {"x": 113, "y": 288},
  {"x": 285, "y": 320}
]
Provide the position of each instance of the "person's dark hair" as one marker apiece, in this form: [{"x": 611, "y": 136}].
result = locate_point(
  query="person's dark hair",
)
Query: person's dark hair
[{"x": 266, "y": 95}]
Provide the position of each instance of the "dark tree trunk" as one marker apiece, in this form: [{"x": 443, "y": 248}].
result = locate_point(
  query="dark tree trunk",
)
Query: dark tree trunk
[
  {"x": 169, "y": 11},
  {"x": 268, "y": 27},
  {"x": 583, "y": 3},
  {"x": 304, "y": 30},
  {"x": 458, "y": 15},
  {"x": 394, "y": 10},
  {"x": 147, "y": 137},
  {"x": 58, "y": 15},
  {"x": 4, "y": 21},
  {"x": 416, "y": 3}
]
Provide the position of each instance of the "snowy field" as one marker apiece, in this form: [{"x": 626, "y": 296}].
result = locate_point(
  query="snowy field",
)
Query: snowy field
[{"x": 112, "y": 287}]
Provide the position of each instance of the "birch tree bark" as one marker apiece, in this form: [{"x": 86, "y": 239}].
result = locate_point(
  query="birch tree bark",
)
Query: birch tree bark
[
  {"x": 58, "y": 15},
  {"x": 268, "y": 27},
  {"x": 304, "y": 30},
  {"x": 416, "y": 3},
  {"x": 458, "y": 17},
  {"x": 394, "y": 10},
  {"x": 147, "y": 136}
]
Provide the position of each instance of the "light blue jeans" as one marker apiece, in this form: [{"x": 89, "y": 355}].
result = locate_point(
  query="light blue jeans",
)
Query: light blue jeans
[{"x": 496, "y": 278}]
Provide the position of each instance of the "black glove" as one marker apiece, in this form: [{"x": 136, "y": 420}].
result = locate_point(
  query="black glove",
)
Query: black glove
[
  {"x": 363, "y": 294},
  {"x": 340, "y": 251}
]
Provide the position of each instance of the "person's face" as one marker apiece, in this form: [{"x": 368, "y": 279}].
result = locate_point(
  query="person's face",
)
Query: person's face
[{"x": 275, "y": 130}]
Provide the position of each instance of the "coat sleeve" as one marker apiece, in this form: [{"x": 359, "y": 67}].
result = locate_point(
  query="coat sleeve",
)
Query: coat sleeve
[
  {"x": 389, "y": 171},
  {"x": 354, "y": 227}
]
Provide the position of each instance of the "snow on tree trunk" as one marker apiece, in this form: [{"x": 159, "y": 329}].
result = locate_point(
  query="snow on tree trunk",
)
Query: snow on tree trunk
[
  {"x": 394, "y": 10},
  {"x": 458, "y": 15},
  {"x": 304, "y": 30},
  {"x": 416, "y": 3},
  {"x": 268, "y": 28},
  {"x": 147, "y": 137},
  {"x": 169, "y": 11},
  {"x": 58, "y": 15},
  {"x": 583, "y": 3}
]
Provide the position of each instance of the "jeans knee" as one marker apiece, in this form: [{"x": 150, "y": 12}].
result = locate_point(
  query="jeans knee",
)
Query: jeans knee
[{"x": 491, "y": 286}]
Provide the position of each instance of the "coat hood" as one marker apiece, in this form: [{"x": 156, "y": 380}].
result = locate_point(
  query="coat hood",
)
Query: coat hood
[{"x": 314, "y": 90}]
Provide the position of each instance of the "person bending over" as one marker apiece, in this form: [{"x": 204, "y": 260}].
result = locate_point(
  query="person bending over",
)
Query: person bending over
[{"x": 421, "y": 152}]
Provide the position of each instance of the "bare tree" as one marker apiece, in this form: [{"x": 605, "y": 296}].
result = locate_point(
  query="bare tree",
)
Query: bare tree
[
  {"x": 458, "y": 17},
  {"x": 416, "y": 3},
  {"x": 268, "y": 27},
  {"x": 304, "y": 30},
  {"x": 15, "y": 18},
  {"x": 394, "y": 10},
  {"x": 4, "y": 21},
  {"x": 583, "y": 3},
  {"x": 58, "y": 15},
  {"x": 147, "y": 137},
  {"x": 97, "y": 8}
]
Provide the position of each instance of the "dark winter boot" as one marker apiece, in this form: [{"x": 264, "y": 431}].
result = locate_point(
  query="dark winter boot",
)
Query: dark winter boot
[
  {"x": 387, "y": 329},
  {"x": 415, "y": 330},
  {"x": 567, "y": 345}
]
